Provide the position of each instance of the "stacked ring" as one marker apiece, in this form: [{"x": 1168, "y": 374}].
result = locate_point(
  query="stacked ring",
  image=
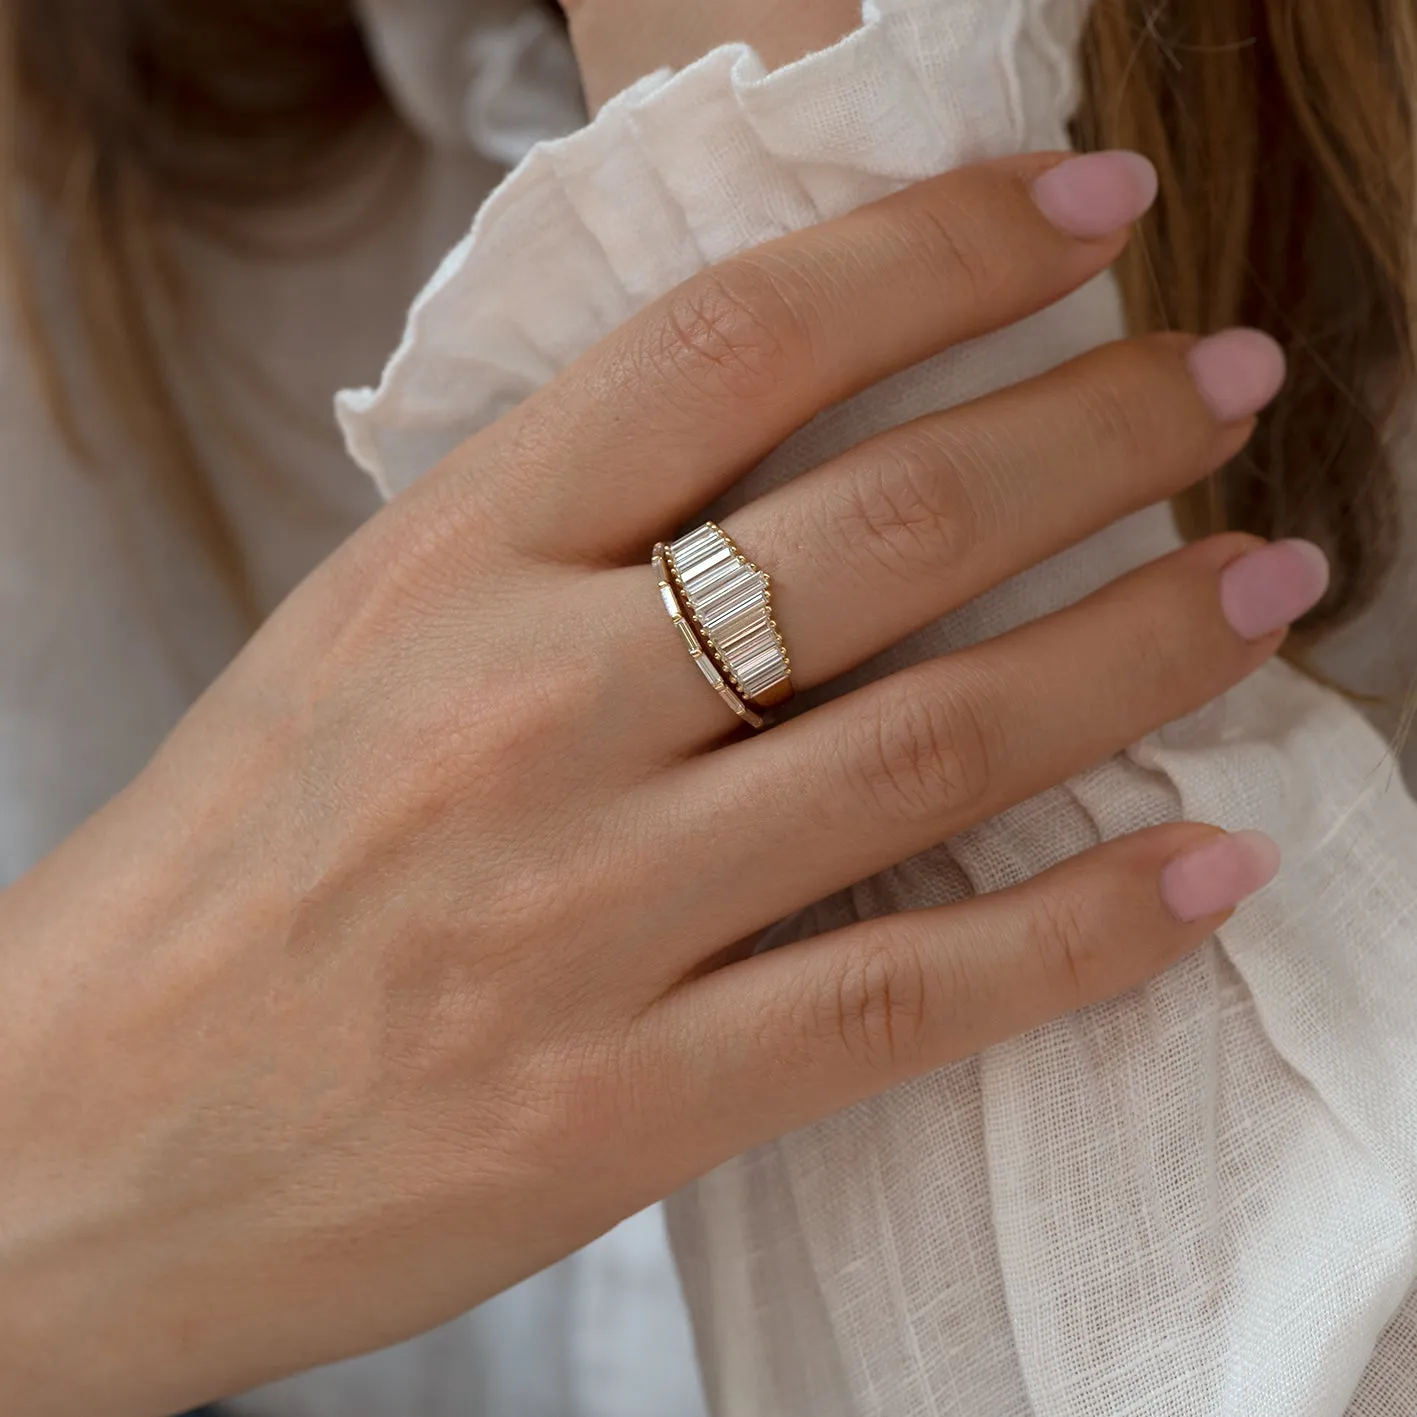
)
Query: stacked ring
[
  {"x": 710, "y": 670},
  {"x": 729, "y": 601}
]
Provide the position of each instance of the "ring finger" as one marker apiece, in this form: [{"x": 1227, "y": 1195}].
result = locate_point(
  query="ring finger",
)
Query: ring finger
[
  {"x": 916, "y": 522},
  {"x": 880, "y": 774}
]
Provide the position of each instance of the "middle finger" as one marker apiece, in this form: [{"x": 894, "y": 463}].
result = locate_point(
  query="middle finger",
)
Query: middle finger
[
  {"x": 912, "y": 524},
  {"x": 769, "y": 824}
]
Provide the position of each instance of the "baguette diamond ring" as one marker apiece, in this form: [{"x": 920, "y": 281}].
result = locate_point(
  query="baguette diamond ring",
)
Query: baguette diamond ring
[{"x": 729, "y": 602}]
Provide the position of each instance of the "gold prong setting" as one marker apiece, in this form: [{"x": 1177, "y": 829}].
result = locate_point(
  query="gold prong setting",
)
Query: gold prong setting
[
  {"x": 707, "y": 665},
  {"x": 729, "y": 601}
]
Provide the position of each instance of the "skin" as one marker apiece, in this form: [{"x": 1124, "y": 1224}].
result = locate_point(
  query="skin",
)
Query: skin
[
  {"x": 405, "y": 936},
  {"x": 617, "y": 41},
  {"x": 414, "y": 959}
]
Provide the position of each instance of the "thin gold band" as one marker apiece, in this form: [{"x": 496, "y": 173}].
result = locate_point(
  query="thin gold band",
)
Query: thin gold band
[{"x": 710, "y": 670}]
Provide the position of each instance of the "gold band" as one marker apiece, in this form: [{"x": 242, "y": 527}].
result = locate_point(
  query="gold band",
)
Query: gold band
[
  {"x": 729, "y": 601},
  {"x": 710, "y": 670}
]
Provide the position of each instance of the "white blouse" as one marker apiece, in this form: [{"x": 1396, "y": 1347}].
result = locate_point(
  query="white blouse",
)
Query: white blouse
[{"x": 1196, "y": 1199}]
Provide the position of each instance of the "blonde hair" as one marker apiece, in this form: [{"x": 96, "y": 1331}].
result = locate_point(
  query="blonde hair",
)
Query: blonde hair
[{"x": 1283, "y": 134}]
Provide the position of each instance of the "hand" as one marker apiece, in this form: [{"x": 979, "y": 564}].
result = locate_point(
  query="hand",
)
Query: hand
[
  {"x": 408, "y": 964},
  {"x": 619, "y": 41}
]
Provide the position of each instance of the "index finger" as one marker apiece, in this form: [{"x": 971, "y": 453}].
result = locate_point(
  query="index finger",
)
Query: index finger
[{"x": 659, "y": 418}]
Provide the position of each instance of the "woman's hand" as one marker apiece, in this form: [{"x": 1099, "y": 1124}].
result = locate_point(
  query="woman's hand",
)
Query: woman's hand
[
  {"x": 619, "y": 41},
  {"x": 409, "y": 964}
]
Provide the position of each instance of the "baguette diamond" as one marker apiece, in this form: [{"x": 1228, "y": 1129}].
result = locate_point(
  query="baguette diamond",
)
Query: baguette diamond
[
  {"x": 729, "y": 601},
  {"x": 707, "y": 666}
]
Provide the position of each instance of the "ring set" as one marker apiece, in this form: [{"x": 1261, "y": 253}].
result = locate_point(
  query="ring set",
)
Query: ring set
[{"x": 721, "y": 604}]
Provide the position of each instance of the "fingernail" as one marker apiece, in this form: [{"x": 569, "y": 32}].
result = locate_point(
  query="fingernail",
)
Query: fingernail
[
  {"x": 1272, "y": 587},
  {"x": 1096, "y": 194},
  {"x": 1237, "y": 372},
  {"x": 1219, "y": 875}
]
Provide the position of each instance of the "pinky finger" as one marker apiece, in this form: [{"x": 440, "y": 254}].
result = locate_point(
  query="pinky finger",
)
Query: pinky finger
[{"x": 788, "y": 1037}]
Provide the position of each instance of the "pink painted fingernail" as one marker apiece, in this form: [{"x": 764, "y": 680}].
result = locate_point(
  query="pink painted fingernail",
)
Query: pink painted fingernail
[
  {"x": 1238, "y": 372},
  {"x": 1094, "y": 195},
  {"x": 1219, "y": 875},
  {"x": 1272, "y": 587}
]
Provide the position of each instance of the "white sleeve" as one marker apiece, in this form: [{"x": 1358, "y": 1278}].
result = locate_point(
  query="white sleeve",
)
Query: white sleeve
[{"x": 1198, "y": 1199}]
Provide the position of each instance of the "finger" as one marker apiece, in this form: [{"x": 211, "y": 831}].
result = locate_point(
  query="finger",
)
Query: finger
[
  {"x": 682, "y": 400},
  {"x": 785, "y": 1038},
  {"x": 874, "y": 777},
  {"x": 913, "y": 524},
  {"x": 615, "y": 45},
  {"x": 916, "y": 523}
]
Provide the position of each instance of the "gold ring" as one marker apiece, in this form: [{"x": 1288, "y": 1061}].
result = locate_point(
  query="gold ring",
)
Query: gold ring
[
  {"x": 705, "y": 662},
  {"x": 729, "y": 601}
]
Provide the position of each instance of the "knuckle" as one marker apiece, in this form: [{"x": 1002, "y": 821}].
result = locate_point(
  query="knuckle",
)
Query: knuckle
[
  {"x": 907, "y": 509},
  {"x": 730, "y": 333},
  {"x": 878, "y": 1009},
  {"x": 1070, "y": 947},
  {"x": 953, "y": 245},
  {"x": 1148, "y": 673},
  {"x": 1169, "y": 646},
  {"x": 1143, "y": 402},
  {"x": 1157, "y": 656},
  {"x": 1117, "y": 404},
  {"x": 926, "y": 756}
]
